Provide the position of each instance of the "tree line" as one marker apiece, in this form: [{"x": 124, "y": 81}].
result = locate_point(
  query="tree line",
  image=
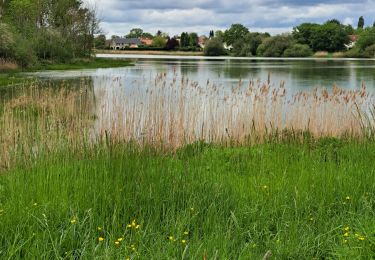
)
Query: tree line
[
  {"x": 35, "y": 31},
  {"x": 305, "y": 40}
]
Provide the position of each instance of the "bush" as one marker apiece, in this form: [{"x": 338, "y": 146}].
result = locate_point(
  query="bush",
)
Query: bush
[
  {"x": 214, "y": 47},
  {"x": 7, "y": 42},
  {"x": 370, "y": 51},
  {"x": 298, "y": 50},
  {"x": 355, "y": 53}
]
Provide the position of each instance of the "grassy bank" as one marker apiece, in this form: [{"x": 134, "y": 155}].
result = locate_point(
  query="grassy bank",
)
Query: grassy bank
[{"x": 299, "y": 201}]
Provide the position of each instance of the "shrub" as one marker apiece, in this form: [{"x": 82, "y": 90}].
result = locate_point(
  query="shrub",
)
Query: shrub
[
  {"x": 298, "y": 50},
  {"x": 356, "y": 53},
  {"x": 370, "y": 51},
  {"x": 214, "y": 47}
]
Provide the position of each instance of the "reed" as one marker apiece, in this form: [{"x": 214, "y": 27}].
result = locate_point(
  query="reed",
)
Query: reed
[{"x": 173, "y": 112}]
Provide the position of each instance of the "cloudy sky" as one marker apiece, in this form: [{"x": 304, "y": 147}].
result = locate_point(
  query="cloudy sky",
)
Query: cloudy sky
[{"x": 274, "y": 16}]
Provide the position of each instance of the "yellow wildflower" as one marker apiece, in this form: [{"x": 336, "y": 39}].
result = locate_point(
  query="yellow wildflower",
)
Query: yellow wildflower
[
  {"x": 346, "y": 234},
  {"x": 186, "y": 233},
  {"x": 117, "y": 243},
  {"x": 361, "y": 238},
  {"x": 265, "y": 187},
  {"x": 345, "y": 241},
  {"x": 100, "y": 229},
  {"x": 347, "y": 198},
  {"x": 73, "y": 221},
  {"x": 133, "y": 248},
  {"x": 133, "y": 224},
  {"x": 192, "y": 209},
  {"x": 346, "y": 229},
  {"x": 35, "y": 204},
  {"x": 119, "y": 239},
  {"x": 101, "y": 239},
  {"x": 183, "y": 241}
]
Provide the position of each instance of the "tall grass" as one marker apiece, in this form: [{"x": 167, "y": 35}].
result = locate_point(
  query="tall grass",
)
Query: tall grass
[{"x": 182, "y": 171}]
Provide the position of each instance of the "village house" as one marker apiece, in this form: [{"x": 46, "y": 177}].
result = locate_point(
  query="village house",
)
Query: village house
[
  {"x": 146, "y": 41},
  {"x": 122, "y": 43},
  {"x": 202, "y": 40},
  {"x": 353, "y": 41}
]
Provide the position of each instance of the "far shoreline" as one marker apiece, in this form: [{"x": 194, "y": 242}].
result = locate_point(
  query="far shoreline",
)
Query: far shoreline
[{"x": 199, "y": 56}]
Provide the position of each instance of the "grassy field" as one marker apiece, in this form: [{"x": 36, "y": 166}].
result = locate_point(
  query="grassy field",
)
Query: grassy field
[
  {"x": 313, "y": 201},
  {"x": 68, "y": 192}
]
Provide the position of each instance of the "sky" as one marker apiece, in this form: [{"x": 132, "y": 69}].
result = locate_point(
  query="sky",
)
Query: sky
[{"x": 273, "y": 16}]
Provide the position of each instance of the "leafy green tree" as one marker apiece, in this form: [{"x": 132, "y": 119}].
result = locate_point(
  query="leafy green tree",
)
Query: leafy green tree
[
  {"x": 304, "y": 33},
  {"x": 219, "y": 34},
  {"x": 247, "y": 46},
  {"x": 99, "y": 41},
  {"x": 159, "y": 42},
  {"x": 274, "y": 46},
  {"x": 185, "y": 40},
  {"x": 361, "y": 22},
  {"x": 193, "y": 39},
  {"x": 7, "y": 42},
  {"x": 370, "y": 51},
  {"x": 214, "y": 47},
  {"x": 329, "y": 37},
  {"x": 235, "y": 32},
  {"x": 366, "y": 38},
  {"x": 138, "y": 33},
  {"x": 298, "y": 50}
]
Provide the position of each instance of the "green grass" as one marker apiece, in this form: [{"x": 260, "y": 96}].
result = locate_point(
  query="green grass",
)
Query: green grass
[
  {"x": 88, "y": 64},
  {"x": 235, "y": 203}
]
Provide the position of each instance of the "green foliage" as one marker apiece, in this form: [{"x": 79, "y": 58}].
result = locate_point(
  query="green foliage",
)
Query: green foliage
[
  {"x": 235, "y": 32},
  {"x": 214, "y": 47},
  {"x": 298, "y": 50},
  {"x": 58, "y": 30},
  {"x": 159, "y": 42},
  {"x": 366, "y": 38},
  {"x": 274, "y": 46},
  {"x": 7, "y": 42},
  {"x": 100, "y": 42},
  {"x": 370, "y": 51},
  {"x": 247, "y": 46}
]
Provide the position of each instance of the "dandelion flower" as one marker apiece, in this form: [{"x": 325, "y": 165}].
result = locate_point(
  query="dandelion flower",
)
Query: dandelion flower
[{"x": 101, "y": 239}]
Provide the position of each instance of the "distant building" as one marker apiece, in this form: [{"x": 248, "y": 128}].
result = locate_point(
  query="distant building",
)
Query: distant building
[
  {"x": 122, "y": 43},
  {"x": 146, "y": 41},
  {"x": 202, "y": 40},
  {"x": 353, "y": 41}
]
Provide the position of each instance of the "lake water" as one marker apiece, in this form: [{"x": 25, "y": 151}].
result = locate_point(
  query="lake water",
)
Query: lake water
[{"x": 297, "y": 74}]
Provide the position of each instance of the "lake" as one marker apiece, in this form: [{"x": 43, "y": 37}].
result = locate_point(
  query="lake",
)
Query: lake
[{"x": 298, "y": 74}]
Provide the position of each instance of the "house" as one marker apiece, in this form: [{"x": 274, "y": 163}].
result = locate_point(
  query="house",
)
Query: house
[
  {"x": 146, "y": 41},
  {"x": 122, "y": 43},
  {"x": 202, "y": 40},
  {"x": 353, "y": 41}
]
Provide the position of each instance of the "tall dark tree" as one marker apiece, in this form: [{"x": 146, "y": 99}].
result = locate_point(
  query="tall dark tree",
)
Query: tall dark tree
[
  {"x": 212, "y": 34},
  {"x": 361, "y": 22},
  {"x": 172, "y": 44}
]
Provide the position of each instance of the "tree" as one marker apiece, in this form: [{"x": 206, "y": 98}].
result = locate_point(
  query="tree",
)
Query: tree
[
  {"x": 274, "y": 46},
  {"x": 99, "y": 41},
  {"x": 247, "y": 46},
  {"x": 219, "y": 34},
  {"x": 212, "y": 34},
  {"x": 214, "y": 47},
  {"x": 361, "y": 22},
  {"x": 193, "y": 39},
  {"x": 135, "y": 33},
  {"x": 184, "y": 40},
  {"x": 159, "y": 42},
  {"x": 366, "y": 38},
  {"x": 304, "y": 33},
  {"x": 329, "y": 37},
  {"x": 172, "y": 43},
  {"x": 235, "y": 32}
]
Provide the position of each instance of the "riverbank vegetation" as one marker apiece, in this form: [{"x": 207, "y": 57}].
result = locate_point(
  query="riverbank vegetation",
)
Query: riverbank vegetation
[
  {"x": 79, "y": 180},
  {"x": 32, "y": 32}
]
